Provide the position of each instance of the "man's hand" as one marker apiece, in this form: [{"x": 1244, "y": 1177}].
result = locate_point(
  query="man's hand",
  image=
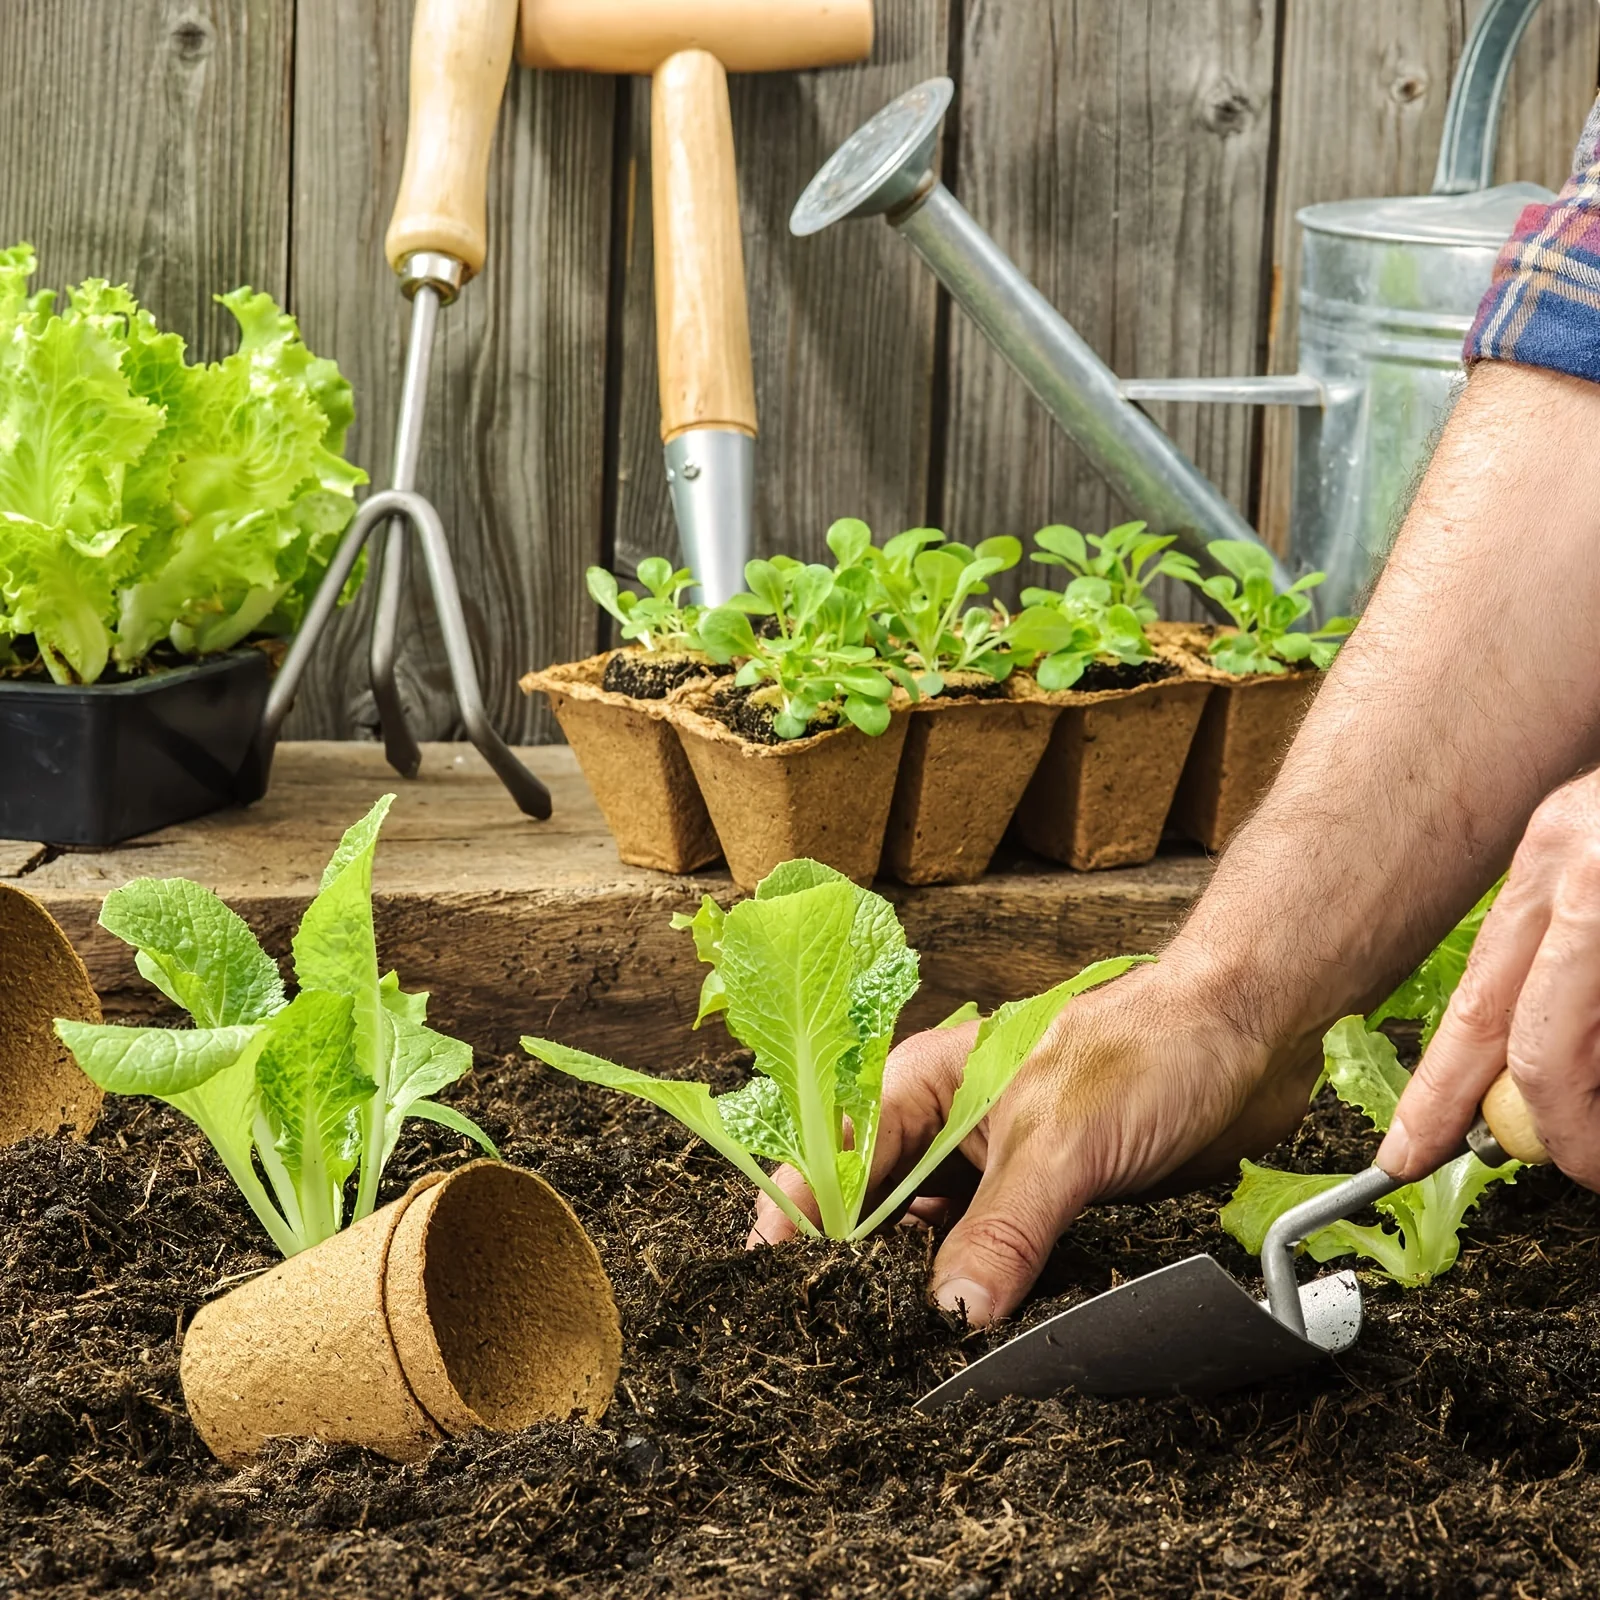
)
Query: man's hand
[
  {"x": 1530, "y": 1001},
  {"x": 1133, "y": 1081}
]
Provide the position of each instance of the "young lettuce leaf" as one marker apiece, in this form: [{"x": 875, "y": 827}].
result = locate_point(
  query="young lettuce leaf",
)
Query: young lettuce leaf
[
  {"x": 294, "y": 1095},
  {"x": 811, "y": 975}
]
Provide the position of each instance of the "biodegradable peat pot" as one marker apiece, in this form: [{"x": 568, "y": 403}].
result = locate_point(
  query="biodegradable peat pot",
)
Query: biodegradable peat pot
[
  {"x": 474, "y": 1301},
  {"x": 99, "y": 763},
  {"x": 966, "y": 763},
  {"x": 634, "y": 764},
  {"x": 1104, "y": 786},
  {"x": 826, "y": 796},
  {"x": 41, "y": 978},
  {"x": 1243, "y": 736}
]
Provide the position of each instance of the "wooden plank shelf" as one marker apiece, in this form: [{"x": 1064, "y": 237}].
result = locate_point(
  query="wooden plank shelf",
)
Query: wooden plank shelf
[{"x": 517, "y": 926}]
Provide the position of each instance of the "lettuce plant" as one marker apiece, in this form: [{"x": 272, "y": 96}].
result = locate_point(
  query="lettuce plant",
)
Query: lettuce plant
[
  {"x": 814, "y": 655},
  {"x": 811, "y": 975},
  {"x": 1095, "y": 627},
  {"x": 1126, "y": 559},
  {"x": 143, "y": 498},
  {"x": 658, "y": 620},
  {"x": 296, "y": 1096},
  {"x": 1264, "y": 617},
  {"x": 1418, "y": 1238}
]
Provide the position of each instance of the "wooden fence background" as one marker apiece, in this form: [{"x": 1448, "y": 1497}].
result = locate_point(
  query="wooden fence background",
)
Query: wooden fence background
[{"x": 1141, "y": 159}]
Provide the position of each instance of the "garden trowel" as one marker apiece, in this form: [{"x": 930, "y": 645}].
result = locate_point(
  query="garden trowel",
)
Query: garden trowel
[{"x": 1191, "y": 1328}]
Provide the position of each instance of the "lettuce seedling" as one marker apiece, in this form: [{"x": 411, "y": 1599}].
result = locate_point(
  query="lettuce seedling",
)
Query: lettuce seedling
[
  {"x": 296, "y": 1096},
  {"x": 811, "y": 975},
  {"x": 1364, "y": 1070},
  {"x": 1263, "y": 616},
  {"x": 1094, "y": 625},
  {"x": 814, "y": 656},
  {"x": 143, "y": 498},
  {"x": 1126, "y": 559},
  {"x": 657, "y": 620}
]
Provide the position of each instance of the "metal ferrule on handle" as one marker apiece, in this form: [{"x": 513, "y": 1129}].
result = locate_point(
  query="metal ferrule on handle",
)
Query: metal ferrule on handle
[{"x": 711, "y": 473}]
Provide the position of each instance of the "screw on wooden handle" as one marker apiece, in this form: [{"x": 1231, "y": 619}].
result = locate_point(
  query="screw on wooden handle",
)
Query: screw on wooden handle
[
  {"x": 1511, "y": 1122},
  {"x": 702, "y": 321},
  {"x": 460, "y": 56}
]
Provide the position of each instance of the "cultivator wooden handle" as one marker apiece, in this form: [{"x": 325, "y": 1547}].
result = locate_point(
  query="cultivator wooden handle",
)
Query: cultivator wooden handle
[
  {"x": 460, "y": 57},
  {"x": 1511, "y": 1123}
]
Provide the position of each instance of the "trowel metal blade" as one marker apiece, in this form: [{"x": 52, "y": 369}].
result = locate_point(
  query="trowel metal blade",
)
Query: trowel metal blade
[{"x": 1188, "y": 1328}]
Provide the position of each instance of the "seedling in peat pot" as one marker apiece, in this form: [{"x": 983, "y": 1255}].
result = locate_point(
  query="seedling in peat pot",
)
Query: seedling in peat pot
[
  {"x": 814, "y": 657},
  {"x": 658, "y": 621},
  {"x": 1364, "y": 1071},
  {"x": 312, "y": 1089},
  {"x": 1263, "y": 616},
  {"x": 1125, "y": 559},
  {"x": 1102, "y": 616},
  {"x": 811, "y": 974}
]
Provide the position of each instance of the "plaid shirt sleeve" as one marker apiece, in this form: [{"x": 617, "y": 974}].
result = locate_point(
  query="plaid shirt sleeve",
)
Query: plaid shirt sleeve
[{"x": 1543, "y": 304}]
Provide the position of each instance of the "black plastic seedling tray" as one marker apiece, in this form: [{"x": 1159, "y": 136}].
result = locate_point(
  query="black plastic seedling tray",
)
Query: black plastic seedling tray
[{"x": 101, "y": 763}]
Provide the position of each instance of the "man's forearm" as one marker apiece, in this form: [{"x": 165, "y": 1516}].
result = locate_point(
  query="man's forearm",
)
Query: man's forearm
[{"x": 1471, "y": 688}]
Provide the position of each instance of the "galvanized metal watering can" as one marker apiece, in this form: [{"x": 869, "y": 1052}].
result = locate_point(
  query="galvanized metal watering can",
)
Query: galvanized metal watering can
[{"x": 1388, "y": 291}]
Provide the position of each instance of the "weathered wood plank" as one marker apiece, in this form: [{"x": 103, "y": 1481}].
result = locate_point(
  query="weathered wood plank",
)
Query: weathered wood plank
[
  {"x": 1363, "y": 110},
  {"x": 1119, "y": 154},
  {"x": 148, "y": 141},
  {"x": 842, "y": 326},
  {"x": 514, "y": 447},
  {"x": 518, "y": 926}
]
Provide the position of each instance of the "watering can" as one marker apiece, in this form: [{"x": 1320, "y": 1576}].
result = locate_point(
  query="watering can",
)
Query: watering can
[{"x": 1388, "y": 292}]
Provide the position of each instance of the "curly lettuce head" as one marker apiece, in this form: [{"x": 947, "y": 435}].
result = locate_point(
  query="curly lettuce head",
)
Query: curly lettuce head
[{"x": 143, "y": 498}]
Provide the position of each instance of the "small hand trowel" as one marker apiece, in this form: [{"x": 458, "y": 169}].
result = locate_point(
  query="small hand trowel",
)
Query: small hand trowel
[{"x": 1192, "y": 1329}]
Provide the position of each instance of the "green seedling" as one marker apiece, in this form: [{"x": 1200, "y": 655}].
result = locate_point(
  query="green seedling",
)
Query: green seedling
[
  {"x": 296, "y": 1096},
  {"x": 811, "y": 975},
  {"x": 145, "y": 499},
  {"x": 1126, "y": 559},
  {"x": 1419, "y": 1237},
  {"x": 815, "y": 656},
  {"x": 658, "y": 621},
  {"x": 1093, "y": 625},
  {"x": 1265, "y": 617}
]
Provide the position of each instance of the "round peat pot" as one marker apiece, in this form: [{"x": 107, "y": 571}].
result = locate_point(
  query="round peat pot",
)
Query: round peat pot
[
  {"x": 634, "y": 766},
  {"x": 966, "y": 764},
  {"x": 41, "y": 978},
  {"x": 826, "y": 796},
  {"x": 474, "y": 1301},
  {"x": 98, "y": 763}
]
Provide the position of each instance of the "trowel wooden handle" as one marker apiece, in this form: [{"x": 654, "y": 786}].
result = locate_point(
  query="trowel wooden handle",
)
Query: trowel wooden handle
[
  {"x": 702, "y": 321},
  {"x": 1511, "y": 1123},
  {"x": 460, "y": 56}
]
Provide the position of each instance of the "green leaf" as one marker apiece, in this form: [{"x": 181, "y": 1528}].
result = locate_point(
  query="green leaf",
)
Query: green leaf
[
  {"x": 1364, "y": 1070},
  {"x": 1005, "y": 1040},
  {"x": 196, "y": 950},
  {"x": 156, "y": 1061},
  {"x": 962, "y": 1014},
  {"x": 691, "y": 1103},
  {"x": 456, "y": 1122},
  {"x": 423, "y": 1063},
  {"x": 706, "y": 926},
  {"x": 1425, "y": 995},
  {"x": 758, "y": 1118}
]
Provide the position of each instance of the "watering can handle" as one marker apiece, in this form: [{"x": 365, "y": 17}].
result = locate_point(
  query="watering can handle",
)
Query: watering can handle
[{"x": 1472, "y": 118}]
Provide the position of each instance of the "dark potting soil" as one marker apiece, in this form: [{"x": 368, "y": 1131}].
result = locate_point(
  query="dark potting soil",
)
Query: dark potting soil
[
  {"x": 653, "y": 677},
  {"x": 738, "y": 708},
  {"x": 972, "y": 686},
  {"x": 761, "y": 1443},
  {"x": 1099, "y": 676}
]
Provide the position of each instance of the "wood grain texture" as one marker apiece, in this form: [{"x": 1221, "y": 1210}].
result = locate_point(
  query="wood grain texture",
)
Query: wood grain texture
[
  {"x": 842, "y": 326},
  {"x": 1392, "y": 82},
  {"x": 520, "y": 927},
  {"x": 1119, "y": 154},
  {"x": 515, "y": 421},
  {"x": 149, "y": 141}
]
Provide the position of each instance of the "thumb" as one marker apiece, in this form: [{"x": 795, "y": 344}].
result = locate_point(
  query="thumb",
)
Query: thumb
[{"x": 992, "y": 1256}]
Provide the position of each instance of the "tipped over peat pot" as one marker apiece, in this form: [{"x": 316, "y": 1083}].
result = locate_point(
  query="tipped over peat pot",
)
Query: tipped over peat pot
[
  {"x": 967, "y": 761},
  {"x": 630, "y": 756},
  {"x": 826, "y": 796},
  {"x": 476, "y": 1300},
  {"x": 98, "y": 763},
  {"x": 42, "y": 1088},
  {"x": 1243, "y": 736},
  {"x": 1102, "y": 790}
]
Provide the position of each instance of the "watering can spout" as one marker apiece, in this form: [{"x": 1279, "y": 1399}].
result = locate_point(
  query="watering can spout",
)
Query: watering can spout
[{"x": 886, "y": 169}]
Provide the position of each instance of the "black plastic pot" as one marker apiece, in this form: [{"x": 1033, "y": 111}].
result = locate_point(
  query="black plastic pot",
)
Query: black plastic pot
[{"x": 98, "y": 764}]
